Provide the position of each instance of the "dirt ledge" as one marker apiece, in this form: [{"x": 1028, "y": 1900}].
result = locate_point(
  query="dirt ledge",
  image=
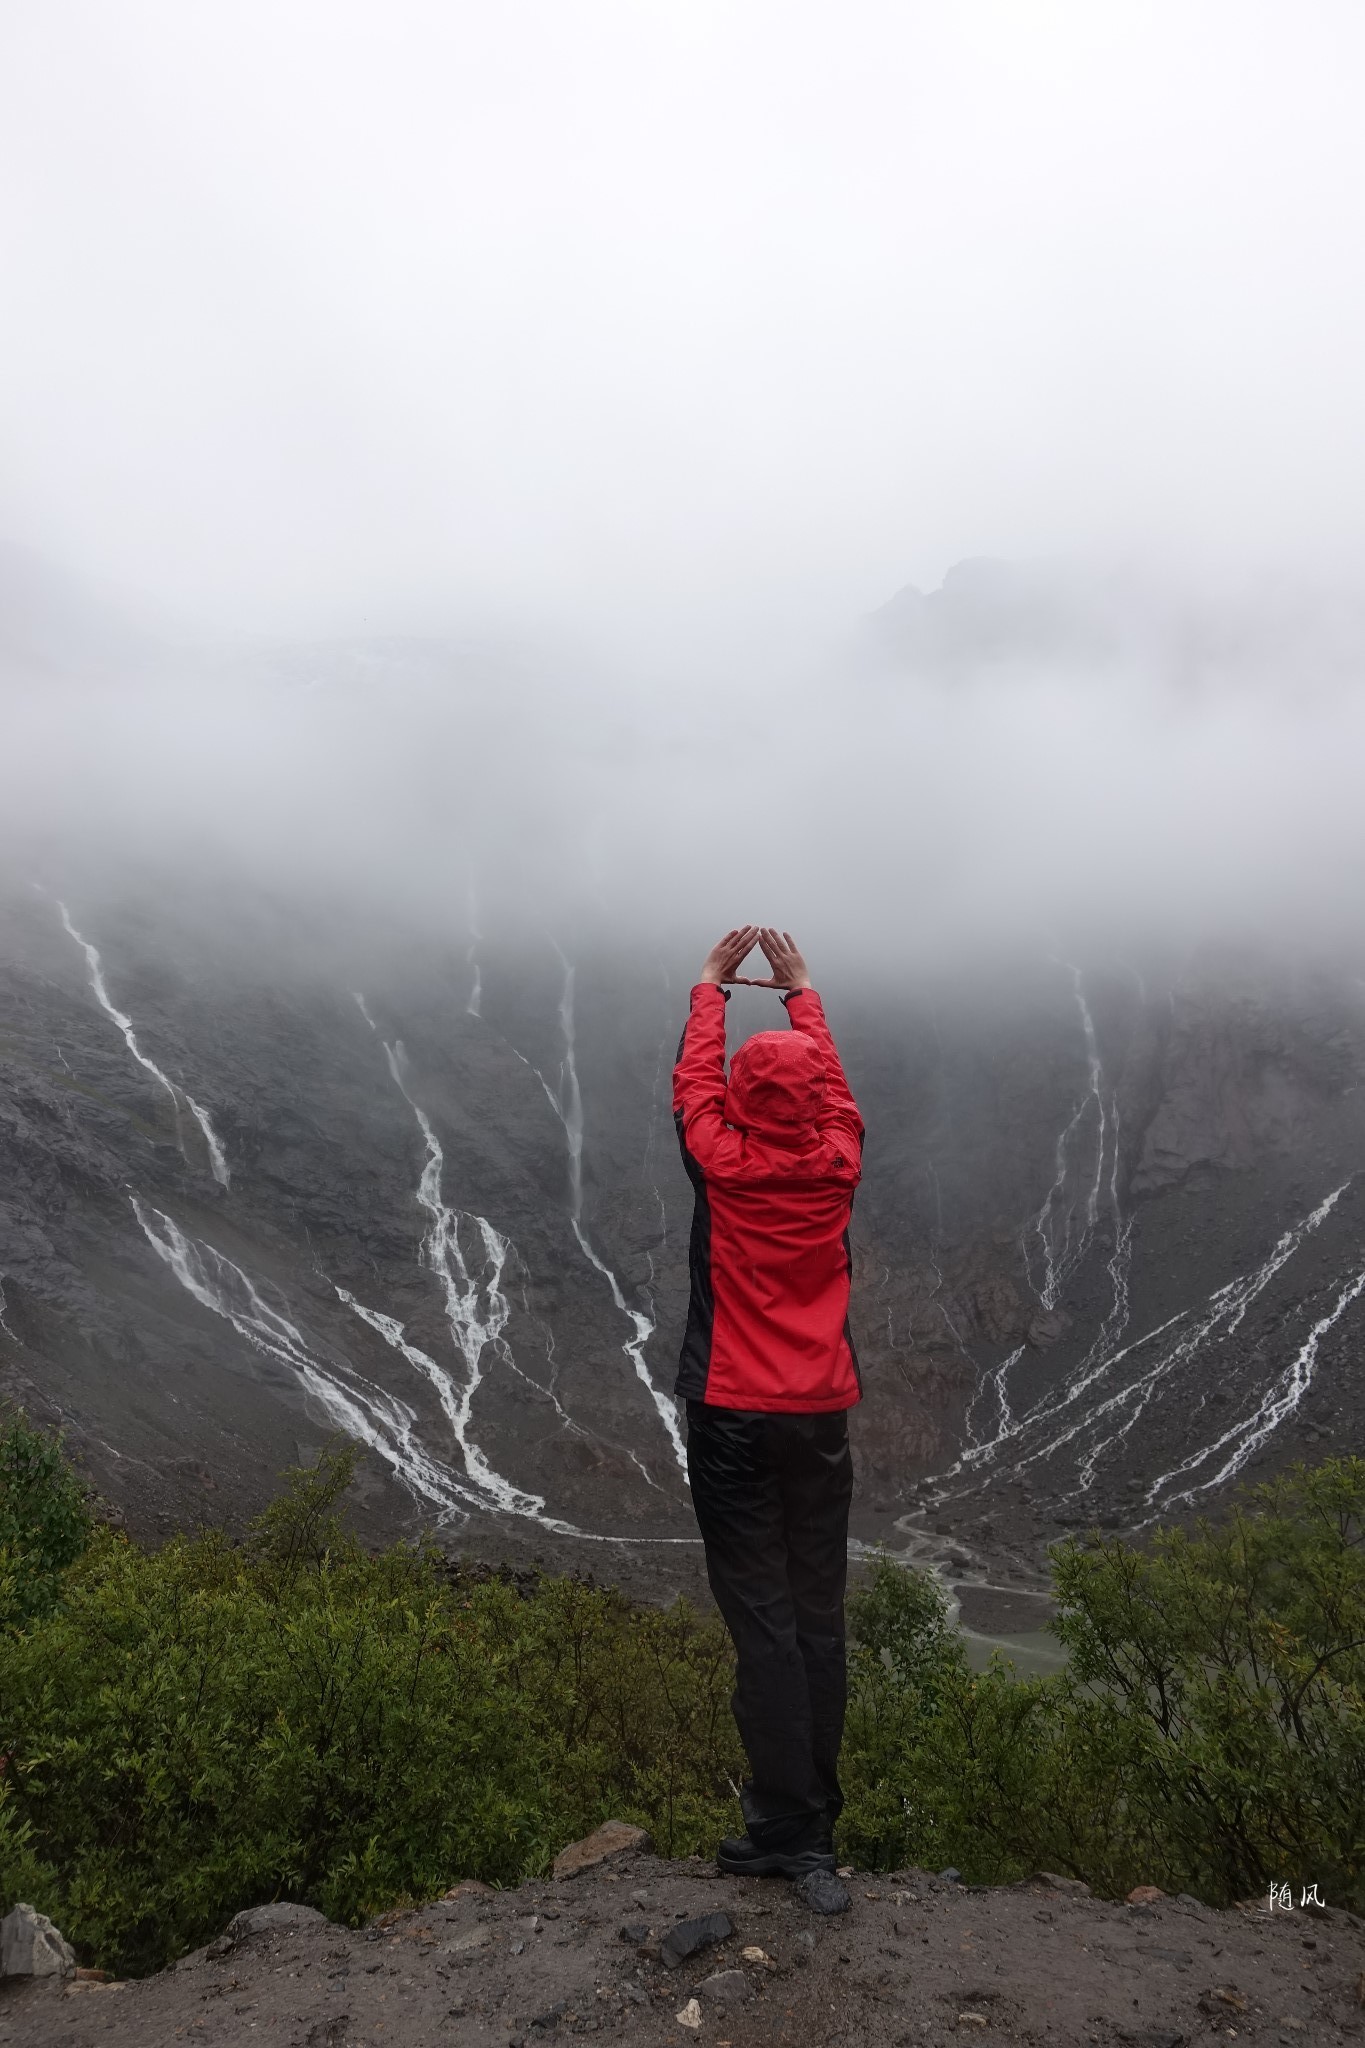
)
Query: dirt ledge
[{"x": 917, "y": 1963}]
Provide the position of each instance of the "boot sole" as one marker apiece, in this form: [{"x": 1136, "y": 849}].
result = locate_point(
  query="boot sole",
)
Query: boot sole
[{"x": 777, "y": 1865}]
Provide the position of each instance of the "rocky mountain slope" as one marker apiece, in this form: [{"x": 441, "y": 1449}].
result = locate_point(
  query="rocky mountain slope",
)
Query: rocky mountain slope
[
  {"x": 265, "y": 1178},
  {"x": 337, "y": 1015}
]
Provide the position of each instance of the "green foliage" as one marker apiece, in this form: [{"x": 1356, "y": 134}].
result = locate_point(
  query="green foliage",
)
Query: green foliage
[
  {"x": 1208, "y": 1734},
  {"x": 188, "y": 1732},
  {"x": 204, "y": 1727},
  {"x": 44, "y": 1522},
  {"x": 1225, "y": 1669}
]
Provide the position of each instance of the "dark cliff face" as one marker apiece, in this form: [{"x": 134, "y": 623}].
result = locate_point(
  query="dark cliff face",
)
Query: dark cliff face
[{"x": 289, "y": 1177}]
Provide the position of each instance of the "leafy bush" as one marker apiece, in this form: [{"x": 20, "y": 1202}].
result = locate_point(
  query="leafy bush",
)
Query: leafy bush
[
  {"x": 1208, "y": 1734},
  {"x": 203, "y": 1727},
  {"x": 193, "y": 1730},
  {"x": 1224, "y": 1676},
  {"x": 44, "y": 1522}
]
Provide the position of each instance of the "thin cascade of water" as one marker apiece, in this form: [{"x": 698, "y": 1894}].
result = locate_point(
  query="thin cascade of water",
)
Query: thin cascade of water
[
  {"x": 217, "y": 1157},
  {"x": 496, "y": 1492},
  {"x": 1275, "y": 1406},
  {"x": 367, "y": 1413},
  {"x": 567, "y": 1103},
  {"x": 477, "y": 1309}
]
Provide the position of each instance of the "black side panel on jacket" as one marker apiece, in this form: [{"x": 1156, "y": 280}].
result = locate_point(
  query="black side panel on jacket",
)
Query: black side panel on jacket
[{"x": 695, "y": 1362}]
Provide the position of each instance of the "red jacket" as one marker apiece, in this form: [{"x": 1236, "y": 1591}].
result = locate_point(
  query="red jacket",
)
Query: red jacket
[{"x": 774, "y": 1159}]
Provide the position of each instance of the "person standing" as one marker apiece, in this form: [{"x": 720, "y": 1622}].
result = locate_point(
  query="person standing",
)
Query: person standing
[{"x": 768, "y": 1372}]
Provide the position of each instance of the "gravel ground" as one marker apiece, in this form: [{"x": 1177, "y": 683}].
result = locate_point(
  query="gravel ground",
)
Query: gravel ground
[{"x": 917, "y": 1962}]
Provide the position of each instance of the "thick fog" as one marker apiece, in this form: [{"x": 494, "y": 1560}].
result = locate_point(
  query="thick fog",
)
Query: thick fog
[{"x": 460, "y": 458}]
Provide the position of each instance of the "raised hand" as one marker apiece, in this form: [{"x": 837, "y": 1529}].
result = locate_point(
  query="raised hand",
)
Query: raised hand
[
  {"x": 729, "y": 953},
  {"x": 789, "y": 970}
]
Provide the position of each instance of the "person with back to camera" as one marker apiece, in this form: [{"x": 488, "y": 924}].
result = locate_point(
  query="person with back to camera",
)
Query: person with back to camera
[{"x": 768, "y": 1372}]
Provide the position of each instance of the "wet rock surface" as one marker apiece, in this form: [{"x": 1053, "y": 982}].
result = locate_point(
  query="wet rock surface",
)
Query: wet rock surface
[{"x": 915, "y": 1960}]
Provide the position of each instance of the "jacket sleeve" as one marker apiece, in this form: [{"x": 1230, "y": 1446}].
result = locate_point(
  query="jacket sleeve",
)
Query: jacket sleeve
[
  {"x": 839, "y": 1118},
  {"x": 699, "y": 1076}
]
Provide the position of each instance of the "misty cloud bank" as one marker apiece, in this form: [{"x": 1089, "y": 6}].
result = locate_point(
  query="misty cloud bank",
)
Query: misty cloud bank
[
  {"x": 1020, "y": 761},
  {"x": 514, "y": 425}
]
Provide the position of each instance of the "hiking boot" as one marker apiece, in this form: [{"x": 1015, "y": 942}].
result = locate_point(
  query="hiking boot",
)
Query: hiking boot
[{"x": 741, "y": 1856}]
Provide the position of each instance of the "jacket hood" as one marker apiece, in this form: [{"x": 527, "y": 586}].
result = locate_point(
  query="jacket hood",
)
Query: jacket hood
[{"x": 777, "y": 1084}]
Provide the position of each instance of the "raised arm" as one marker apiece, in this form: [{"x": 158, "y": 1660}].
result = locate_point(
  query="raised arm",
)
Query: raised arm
[
  {"x": 699, "y": 1075},
  {"x": 806, "y": 1013}
]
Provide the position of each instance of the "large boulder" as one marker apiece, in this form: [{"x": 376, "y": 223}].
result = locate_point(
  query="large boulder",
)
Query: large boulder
[
  {"x": 30, "y": 1946},
  {"x": 281, "y": 1917}
]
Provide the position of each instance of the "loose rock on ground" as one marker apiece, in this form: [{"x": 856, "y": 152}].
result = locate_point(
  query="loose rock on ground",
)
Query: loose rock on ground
[{"x": 918, "y": 1961}]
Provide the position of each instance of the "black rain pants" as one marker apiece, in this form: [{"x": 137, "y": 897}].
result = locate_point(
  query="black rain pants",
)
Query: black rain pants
[{"x": 772, "y": 1495}]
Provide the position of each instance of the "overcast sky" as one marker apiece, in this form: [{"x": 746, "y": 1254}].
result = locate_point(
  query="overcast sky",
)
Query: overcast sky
[{"x": 583, "y": 310}]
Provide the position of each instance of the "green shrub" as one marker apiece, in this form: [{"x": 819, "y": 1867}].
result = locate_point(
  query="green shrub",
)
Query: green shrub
[
  {"x": 1208, "y": 1734},
  {"x": 189, "y": 1731},
  {"x": 44, "y": 1522},
  {"x": 1224, "y": 1675},
  {"x": 203, "y": 1727}
]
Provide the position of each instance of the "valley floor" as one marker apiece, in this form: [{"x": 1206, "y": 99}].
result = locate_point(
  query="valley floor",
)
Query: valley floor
[{"x": 917, "y": 1963}]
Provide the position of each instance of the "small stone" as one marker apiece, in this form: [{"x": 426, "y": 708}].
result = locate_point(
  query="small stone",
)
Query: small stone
[
  {"x": 806, "y": 1940},
  {"x": 518, "y": 1947},
  {"x": 30, "y": 1946},
  {"x": 468, "y": 1887},
  {"x": 952, "y": 1875},
  {"x": 689, "y": 1936},
  {"x": 613, "y": 1838},
  {"x": 755, "y": 1954},
  {"x": 972, "y": 2019},
  {"x": 1075, "y": 1885},
  {"x": 823, "y": 1893},
  {"x": 635, "y": 1932},
  {"x": 690, "y": 2016},
  {"x": 642, "y": 1900},
  {"x": 1223, "y": 1994},
  {"x": 473, "y": 1938},
  {"x": 1145, "y": 1895},
  {"x": 726, "y": 1987}
]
